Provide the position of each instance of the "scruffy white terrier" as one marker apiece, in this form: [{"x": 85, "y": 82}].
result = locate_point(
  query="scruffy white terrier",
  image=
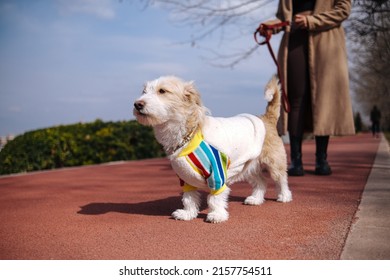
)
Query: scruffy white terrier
[{"x": 213, "y": 153}]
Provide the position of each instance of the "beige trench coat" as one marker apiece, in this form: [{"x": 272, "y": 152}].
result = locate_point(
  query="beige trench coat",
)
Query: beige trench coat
[{"x": 329, "y": 80}]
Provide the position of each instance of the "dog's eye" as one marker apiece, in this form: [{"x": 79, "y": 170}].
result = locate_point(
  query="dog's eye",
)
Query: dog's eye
[{"x": 162, "y": 91}]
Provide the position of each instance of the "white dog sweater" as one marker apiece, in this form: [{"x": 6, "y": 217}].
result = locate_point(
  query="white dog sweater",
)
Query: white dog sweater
[{"x": 205, "y": 160}]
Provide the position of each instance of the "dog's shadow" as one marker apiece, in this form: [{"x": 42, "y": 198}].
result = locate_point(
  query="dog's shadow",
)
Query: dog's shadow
[{"x": 160, "y": 207}]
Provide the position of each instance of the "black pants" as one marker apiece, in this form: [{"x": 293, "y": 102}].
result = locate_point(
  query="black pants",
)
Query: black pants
[
  {"x": 298, "y": 84},
  {"x": 375, "y": 128}
]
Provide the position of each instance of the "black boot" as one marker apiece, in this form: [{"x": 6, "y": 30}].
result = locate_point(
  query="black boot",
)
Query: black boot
[
  {"x": 296, "y": 167},
  {"x": 322, "y": 166}
]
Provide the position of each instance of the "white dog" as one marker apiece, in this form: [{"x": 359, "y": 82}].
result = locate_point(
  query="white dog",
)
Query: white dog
[{"x": 213, "y": 153}]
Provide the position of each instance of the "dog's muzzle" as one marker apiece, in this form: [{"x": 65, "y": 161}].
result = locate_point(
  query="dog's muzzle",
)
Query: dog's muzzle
[{"x": 139, "y": 105}]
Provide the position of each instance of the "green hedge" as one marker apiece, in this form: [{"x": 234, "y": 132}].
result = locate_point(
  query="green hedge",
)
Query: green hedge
[{"x": 78, "y": 144}]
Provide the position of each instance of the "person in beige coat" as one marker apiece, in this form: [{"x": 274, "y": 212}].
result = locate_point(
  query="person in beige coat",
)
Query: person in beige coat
[{"x": 313, "y": 60}]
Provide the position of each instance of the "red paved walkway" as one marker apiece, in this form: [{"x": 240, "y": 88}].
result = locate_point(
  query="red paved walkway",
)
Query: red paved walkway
[{"x": 122, "y": 211}]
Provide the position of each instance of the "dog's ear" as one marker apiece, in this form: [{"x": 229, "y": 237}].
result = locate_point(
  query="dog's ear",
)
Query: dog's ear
[{"x": 191, "y": 93}]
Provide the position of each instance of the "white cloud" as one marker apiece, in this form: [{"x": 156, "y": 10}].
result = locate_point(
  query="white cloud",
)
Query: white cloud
[{"x": 103, "y": 9}]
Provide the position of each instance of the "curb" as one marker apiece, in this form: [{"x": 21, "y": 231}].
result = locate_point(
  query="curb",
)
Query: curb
[{"x": 370, "y": 234}]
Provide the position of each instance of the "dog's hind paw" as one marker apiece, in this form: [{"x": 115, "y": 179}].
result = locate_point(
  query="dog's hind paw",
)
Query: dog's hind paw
[
  {"x": 285, "y": 197},
  {"x": 184, "y": 215},
  {"x": 217, "y": 216}
]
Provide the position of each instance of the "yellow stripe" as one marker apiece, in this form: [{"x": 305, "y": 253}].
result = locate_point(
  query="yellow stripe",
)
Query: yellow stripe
[
  {"x": 217, "y": 192},
  {"x": 192, "y": 145},
  {"x": 188, "y": 188}
]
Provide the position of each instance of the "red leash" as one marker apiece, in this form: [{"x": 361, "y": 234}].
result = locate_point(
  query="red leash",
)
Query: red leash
[{"x": 286, "y": 103}]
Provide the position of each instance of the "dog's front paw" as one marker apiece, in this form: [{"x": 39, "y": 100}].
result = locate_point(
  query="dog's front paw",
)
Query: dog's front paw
[
  {"x": 217, "y": 216},
  {"x": 285, "y": 196},
  {"x": 184, "y": 215},
  {"x": 251, "y": 200}
]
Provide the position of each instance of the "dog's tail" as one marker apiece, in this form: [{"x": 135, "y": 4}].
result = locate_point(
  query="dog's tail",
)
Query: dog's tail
[{"x": 272, "y": 95}]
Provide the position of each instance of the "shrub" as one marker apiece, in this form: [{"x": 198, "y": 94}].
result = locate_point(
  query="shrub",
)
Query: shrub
[{"x": 78, "y": 144}]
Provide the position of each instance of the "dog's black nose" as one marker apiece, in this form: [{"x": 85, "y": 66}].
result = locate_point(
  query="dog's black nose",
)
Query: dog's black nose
[{"x": 139, "y": 105}]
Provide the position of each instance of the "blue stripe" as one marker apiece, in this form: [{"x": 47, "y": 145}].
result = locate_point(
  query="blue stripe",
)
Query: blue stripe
[
  {"x": 216, "y": 183},
  {"x": 214, "y": 178},
  {"x": 203, "y": 159},
  {"x": 217, "y": 155}
]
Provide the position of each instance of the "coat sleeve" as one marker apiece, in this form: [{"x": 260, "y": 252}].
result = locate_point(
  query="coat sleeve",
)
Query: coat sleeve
[
  {"x": 279, "y": 12},
  {"x": 330, "y": 19}
]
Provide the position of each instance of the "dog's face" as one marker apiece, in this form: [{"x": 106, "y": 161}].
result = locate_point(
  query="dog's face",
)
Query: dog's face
[{"x": 164, "y": 99}]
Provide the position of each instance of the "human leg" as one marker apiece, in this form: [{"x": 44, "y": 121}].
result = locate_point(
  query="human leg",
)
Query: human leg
[
  {"x": 322, "y": 166},
  {"x": 299, "y": 97}
]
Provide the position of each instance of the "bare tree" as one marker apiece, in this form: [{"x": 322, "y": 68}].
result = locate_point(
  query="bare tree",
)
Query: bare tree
[
  {"x": 369, "y": 29},
  {"x": 230, "y": 20},
  {"x": 369, "y": 18}
]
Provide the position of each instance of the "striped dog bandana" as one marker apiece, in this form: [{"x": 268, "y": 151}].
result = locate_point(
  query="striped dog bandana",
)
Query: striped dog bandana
[{"x": 208, "y": 162}]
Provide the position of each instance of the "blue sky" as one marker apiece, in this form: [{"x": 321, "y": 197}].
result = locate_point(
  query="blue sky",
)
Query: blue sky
[{"x": 66, "y": 61}]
